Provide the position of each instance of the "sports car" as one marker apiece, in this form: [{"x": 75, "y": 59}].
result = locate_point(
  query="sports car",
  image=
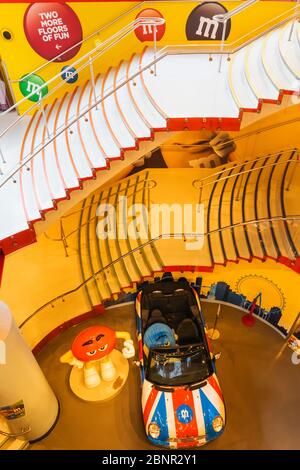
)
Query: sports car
[{"x": 182, "y": 402}]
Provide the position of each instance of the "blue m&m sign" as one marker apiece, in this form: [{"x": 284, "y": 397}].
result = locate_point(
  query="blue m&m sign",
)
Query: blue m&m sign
[{"x": 69, "y": 74}]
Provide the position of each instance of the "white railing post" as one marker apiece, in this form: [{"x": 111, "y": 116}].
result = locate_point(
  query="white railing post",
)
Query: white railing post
[
  {"x": 291, "y": 178},
  {"x": 93, "y": 81},
  {"x": 293, "y": 23},
  {"x": 2, "y": 156},
  {"x": 44, "y": 118},
  {"x": 155, "y": 48},
  {"x": 222, "y": 44},
  {"x": 239, "y": 189}
]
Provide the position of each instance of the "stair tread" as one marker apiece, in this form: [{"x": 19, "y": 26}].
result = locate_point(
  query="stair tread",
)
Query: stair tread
[
  {"x": 114, "y": 118},
  {"x": 256, "y": 74},
  {"x": 289, "y": 49},
  {"x": 178, "y": 89},
  {"x": 73, "y": 143},
  {"x": 150, "y": 114},
  {"x": 88, "y": 138},
  {"x": 109, "y": 146},
  {"x": 122, "y": 96},
  {"x": 276, "y": 68},
  {"x": 241, "y": 89},
  {"x": 195, "y": 71},
  {"x": 38, "y": 174},
  {"x": 56, "y": 184}
]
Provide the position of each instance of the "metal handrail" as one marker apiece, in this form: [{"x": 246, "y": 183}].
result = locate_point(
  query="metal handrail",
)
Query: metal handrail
[
  {"x": 226, "y": 16},
  {"x": 269, "y": 155},
  {"x": 153, "y": 240},
  {"x": 105, "y": 45},
  {"x": 64, "y": 237},
  {"x": 122, "y": 15},
  {"x": 96, "y": 33},
  {"x": 205, "y": 49},
  {"x": 165, "y": 51}
]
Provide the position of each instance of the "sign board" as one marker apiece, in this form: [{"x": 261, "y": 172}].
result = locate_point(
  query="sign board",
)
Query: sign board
[{"x": 52, "y": 28}]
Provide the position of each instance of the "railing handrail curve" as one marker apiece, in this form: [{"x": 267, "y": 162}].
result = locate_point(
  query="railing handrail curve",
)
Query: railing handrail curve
[
  {"x": 162, "y": 53},
  {"x": 153, "y": 240},
  {"x": 248, "y": 162},
  {"x": 210, "y": 49},
  {"x": 129, "y": 28}
]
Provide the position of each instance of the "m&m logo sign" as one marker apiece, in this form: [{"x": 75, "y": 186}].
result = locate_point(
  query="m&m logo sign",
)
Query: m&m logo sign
[{"x": 148, "y": 31}]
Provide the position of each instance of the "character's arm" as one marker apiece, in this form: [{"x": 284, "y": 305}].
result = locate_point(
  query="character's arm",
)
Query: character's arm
[
  {"x": 70, "y": 359},
  {"x": 128, "y": 350}
]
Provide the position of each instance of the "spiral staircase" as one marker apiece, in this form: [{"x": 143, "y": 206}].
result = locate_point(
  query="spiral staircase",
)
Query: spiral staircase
[
  {"x": 248, "y": 214},
  {"x": 94, "y": 128}
]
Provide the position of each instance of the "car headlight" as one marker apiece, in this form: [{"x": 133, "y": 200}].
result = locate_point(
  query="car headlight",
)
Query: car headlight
[
  {"x": 154, "y": 430},
  {"x": 217, "y": 423}
]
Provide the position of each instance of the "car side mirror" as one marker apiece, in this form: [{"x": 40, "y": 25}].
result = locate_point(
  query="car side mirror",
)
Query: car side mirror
[{"x": 217, "y": 356}]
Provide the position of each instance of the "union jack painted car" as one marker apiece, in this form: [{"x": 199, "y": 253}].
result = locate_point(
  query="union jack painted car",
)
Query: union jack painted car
[{"x": 182, "y": 402}]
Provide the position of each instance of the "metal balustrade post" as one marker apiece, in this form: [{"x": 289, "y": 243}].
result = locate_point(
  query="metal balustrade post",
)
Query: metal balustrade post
[
  {"x": 2, "y": 156},
  {"x": 93, "y": 81},
  {"x": 200, "y": 194},
  {"x": 64, "y": 238},
  {"x": 155, "y": 48},
  {"x": 44, "y": 118},
  {"x": 291, "y": 178},
  {"x": 240, "y": 187},
  {"x": 222, "y": 44},
  {"x": 293, "y": 24}
]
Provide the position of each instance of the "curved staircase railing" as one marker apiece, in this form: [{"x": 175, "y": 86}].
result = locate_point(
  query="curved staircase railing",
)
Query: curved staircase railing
[
  {"x": 221, "y": 49},
  {"x": 85, "y": 61},
  {"x": 200, "y": 184},
  {"x": 62, "y": 297}
]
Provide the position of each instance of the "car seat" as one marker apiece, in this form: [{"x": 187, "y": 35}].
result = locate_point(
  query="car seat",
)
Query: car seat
[
  {"x": 187, "y": 332},
  {"x": 156, "y": 316}
]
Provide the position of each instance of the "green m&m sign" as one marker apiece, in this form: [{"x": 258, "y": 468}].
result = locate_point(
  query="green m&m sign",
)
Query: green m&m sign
[{"x": 30, "y": 86}]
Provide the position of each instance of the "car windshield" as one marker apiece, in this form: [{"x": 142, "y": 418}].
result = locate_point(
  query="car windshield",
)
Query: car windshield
[{"x": 179, "y": 365}]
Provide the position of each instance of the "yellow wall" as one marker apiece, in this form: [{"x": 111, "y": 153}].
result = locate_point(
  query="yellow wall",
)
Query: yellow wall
[{"x": 21, "y": 59}]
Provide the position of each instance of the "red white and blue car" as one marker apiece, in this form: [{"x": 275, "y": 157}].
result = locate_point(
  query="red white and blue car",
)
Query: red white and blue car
[{"x": 182, "y": 402}]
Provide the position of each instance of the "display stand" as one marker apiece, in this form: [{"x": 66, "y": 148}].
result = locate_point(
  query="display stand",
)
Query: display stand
[
  {"x": 213, "y": 333},
  {"x": 105, "y": 390}
]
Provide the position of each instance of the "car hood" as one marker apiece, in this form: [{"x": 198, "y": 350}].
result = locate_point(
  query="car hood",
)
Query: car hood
[{"x": 183, "y": 413}]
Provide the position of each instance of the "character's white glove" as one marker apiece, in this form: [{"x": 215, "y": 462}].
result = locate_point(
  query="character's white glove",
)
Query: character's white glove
[
  {"x": 128, "y": 350},
  {"x": 75, "y": 362}
]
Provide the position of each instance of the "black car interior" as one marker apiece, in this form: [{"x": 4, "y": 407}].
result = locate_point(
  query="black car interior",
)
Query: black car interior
[{"x": 174, "y": 304}]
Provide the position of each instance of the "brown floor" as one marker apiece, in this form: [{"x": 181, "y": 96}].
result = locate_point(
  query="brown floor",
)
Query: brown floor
[{"x": 260, "y": 384}]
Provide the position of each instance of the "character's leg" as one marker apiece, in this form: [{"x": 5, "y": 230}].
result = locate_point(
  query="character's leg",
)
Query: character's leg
[
  {"x": 91, "y": 375},
  {"x": 108, "y": 370}
]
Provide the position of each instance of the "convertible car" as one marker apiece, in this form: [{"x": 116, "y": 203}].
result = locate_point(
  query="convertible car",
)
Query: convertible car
[{"x": 182, "y": 402}]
